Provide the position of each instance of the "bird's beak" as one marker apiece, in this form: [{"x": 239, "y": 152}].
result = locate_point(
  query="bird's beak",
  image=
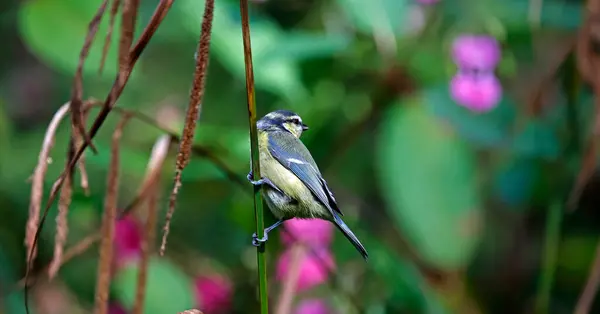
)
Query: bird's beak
[{"x": 304, "y": 127}]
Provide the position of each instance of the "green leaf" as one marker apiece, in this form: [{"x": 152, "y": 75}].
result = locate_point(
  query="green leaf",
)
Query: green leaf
[
  {"x": 279, "y": 75},
  {"x": 55, "y": 31},
  {"x": 168, "y": 289},
  {"x": 514, "y": 182},
  {"x": 370, "y": 17},
  {"x": 489, "y": 129},
  {"x": 428, "y": 176},
  {"x": 537, "y": 140}
]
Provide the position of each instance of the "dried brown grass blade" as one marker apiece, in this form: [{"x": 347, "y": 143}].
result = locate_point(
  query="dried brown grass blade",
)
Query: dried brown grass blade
[
  {"x": 114, "y": 9},
  {"x": 153, "y": 171},
  {"x": 79, "y": 248},
  {"x": 129, "y": 18},
  {"x": 37, "y": 184},
  {"x": 159, "y": 14},
  {"x": 147, "y": 246},
  {"x": 62, "y": 227},
  {"x": 77, "y": 90},
  {"x": 586, "y": 298},
  {"x": 108, "y": 223},
  {"x": 193, "y": 113}
]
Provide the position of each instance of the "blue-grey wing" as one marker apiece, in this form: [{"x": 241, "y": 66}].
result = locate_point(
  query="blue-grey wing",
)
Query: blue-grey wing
[{"x": 293, "y": 155}]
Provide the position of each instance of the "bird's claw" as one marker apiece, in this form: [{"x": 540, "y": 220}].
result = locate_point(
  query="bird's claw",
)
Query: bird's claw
[
  {"x": 262, "y": 182},
  {"x": 249, "y": 177},
  {"x": 256, "y": 241}
]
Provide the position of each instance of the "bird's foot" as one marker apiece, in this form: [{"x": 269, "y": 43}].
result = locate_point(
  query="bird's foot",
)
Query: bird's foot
[
  {"x": 256, "y": 241},
  {"x": 263, "y": 181}
]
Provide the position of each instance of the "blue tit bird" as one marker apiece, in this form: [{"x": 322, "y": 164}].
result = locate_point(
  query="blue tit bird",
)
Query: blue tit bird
[{"x": 291, "y": 182}]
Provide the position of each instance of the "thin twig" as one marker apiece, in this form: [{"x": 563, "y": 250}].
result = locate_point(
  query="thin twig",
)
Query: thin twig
[
  {"x": 192, "y": 115},
  {"x": 62, "y": 227},
  {"x": 586, "y": 299},
  {"x": 37, "y": 184},
  {"x": 77, "y": 90},
  {"x": 290, "y": 282},
  {"x": 550, "y": 255},
  {"x": 159, "y": 14},
  {"x": 147, "y": 246},
  {"x": 258, "y": 207},
  {"x": 108, "y": 223},
  {"x": 114, "y": 9}
]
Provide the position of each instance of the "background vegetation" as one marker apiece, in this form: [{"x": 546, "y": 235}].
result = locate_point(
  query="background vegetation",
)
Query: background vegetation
[{"x": 462, "y": 210}]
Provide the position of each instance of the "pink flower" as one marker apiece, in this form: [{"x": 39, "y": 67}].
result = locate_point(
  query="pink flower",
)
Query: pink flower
[
  {"x": 313, "y": 232},
  {"x": 312, "y": 306},
  {"x": 478, "y": 93},
  {"x": 213, "y": 293},
  {"x": 315, "y": 265},
  {"x": 116, "y": 308},
  {"x": 128, "y": 240},
  {"x": 428, "y": 2},
  {"x": 476, "y": 51}
]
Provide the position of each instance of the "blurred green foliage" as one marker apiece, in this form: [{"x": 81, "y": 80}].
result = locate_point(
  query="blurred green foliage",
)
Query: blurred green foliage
[{"x": 432, "y": 189}]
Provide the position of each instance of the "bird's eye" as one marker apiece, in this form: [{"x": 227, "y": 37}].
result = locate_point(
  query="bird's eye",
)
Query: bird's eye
[{"x": 296, "y": 121}]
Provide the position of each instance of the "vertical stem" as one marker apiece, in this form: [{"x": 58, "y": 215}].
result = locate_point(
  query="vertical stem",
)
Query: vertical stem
[
  {"x": 258, "y": 207},
  {"x": 549, "y": 257}
]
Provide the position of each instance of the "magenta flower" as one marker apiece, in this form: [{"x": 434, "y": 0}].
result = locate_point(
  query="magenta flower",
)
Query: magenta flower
[
  {"x": 315, "y": 265},
  {"x": 313, "y": 232},
  {"x": 428, "y": 2},
  {"x": 476, "y": 51},
  {"x": 128, "y": 240},
  {"x": 213, "y": 293},
  {"x": 116, "y": 308},
  {"x": 312, "y": 306},
  {"x": 478, "y": 93}
]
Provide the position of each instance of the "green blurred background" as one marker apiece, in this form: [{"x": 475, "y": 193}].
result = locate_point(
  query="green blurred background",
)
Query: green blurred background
[{"x": 461, "y": 212}]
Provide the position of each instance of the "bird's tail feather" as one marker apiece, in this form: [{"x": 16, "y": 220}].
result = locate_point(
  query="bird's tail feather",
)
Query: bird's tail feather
[{"x": 350, "y": 235}]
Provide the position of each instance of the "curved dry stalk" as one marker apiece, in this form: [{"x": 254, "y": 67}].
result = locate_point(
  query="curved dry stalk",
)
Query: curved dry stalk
[
  {"x": 76, "y": 103},
  {"x": 62, "y": 227},
  {"x": 586, "y": 299},
  {"x": 192, "y": 115},
  {"x": 108, "y": 223},
  {"x": 147, "y": 246},
  {"x": 153, "y": 171},
  {"x": 119, "y": 84},
  {"x": 291, "y": 280},
  {"x": 114, "y": 8},
  {"x": 37, "y": 184}
]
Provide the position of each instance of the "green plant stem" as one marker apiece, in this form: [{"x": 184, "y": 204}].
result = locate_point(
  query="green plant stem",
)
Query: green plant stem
[
  {"x": 549, "y": 257},
  {"x": 258, "y": 207}
]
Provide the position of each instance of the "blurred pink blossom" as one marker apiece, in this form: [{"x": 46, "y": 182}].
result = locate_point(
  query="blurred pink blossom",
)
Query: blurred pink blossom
[
  {"x": 312, "y": 306},
  {"x": 128, "y": 240},
  {"x": 116, "y": 308},
  {"x": 427, "y": 2},
  {"x": 315, "y": 265},
  {"x": 478, "y": 93},
  {"x": 313, "y": 232},
  {"x": 476, "y": 51},
  {"x": 213, "y": 293}
]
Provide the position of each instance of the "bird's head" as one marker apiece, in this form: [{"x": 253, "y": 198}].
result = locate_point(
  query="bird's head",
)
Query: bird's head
[{"x": 282, "y": 120}]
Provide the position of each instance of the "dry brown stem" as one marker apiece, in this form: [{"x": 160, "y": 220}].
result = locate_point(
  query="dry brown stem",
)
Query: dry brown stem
[
  {"x": 588, "y": 66},
  {"x": 37, "y": 183},
  {"x": 114, "y": 9},
  {"x": 153, "y": 171},
  {"x": 591, "y": 287},
  {"x": 159, "y": 14},
  {"x": 108, "y": 223},
  {"x": 286, "y": 298},
  {"x": 77, "y": 118},
  {"x": 147, "y": 246},
  {"x": 193, "y": 113}
]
